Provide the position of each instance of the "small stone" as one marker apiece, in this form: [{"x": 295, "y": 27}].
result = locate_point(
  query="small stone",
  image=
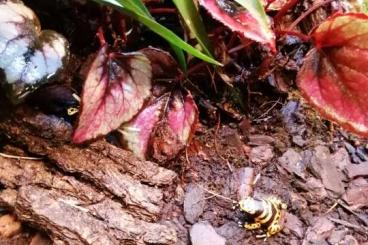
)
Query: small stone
[
  {"x": 337, "y": 236},
  {"x": 323, "y": 167},
  {"x": 194, "y": 203},
  {"x": 357, "y": 170},
  {"x": 349, "y": 240},
  {"x": 316, "y": 187},
  {"x": 294, "y": 225},
  {"x": 341, "y": 158},
  {"x": 231, "y": 232},
  {"x": 292, "y": 161},
  {"x": 319, "y": 232},
  {"x": 179, "y": 195},
  {"x": 204, "y": 234},
  {"x": 298, "y": 202},
  {"x": 261, "y": 154},
  {"x": 356, "y": 194}
]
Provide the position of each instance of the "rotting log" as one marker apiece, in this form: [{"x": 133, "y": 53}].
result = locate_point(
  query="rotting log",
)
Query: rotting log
[{"x": 96, "y": 194}]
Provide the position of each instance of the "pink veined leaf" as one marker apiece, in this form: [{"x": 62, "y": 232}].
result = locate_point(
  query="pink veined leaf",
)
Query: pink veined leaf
[
  {"x": 334, "y": 76},
  {"x": 164, "y": 127},
  {"x": 137, "y": 133},
  {"x": 117, "y": 84},
  {"x": 240, "y": 21},
  {"x": 174, "y": 132},
  {"x": 182, "y": 116}
]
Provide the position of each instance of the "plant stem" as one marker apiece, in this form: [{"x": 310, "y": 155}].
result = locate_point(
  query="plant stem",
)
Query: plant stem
[
  {"x": 163, "y": 11},
  {"x": 306, "y": 13},
  {"x": 101, "y": 36},
  {"x": 290, "y": 4}
]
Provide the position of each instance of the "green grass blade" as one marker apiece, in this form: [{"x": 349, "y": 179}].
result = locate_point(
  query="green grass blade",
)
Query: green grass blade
[
  {"x": 257, "y": 10},
  {"x": 140, "y": 7},
  {"x": 139, "y": 4},
  {"x": 194, "y": 22},
  {"x": 180, "y": 56},
  {"x": 159, "y": 29}
]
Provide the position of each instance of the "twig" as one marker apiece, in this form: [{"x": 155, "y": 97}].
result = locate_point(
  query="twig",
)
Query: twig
[
  {"x": 216, "y": 146},
  {"x": 269, "y": 109},
  {"x": 360, "y": 229},
  {"x": 332, "y": 207},
  {"x": 352, "y": 212},
  {"x": 217, "y": 195},
  {"x": 19, "y": 157},
  {"x": 290, "y": 4},
  {"x": 306, "y": 13}
]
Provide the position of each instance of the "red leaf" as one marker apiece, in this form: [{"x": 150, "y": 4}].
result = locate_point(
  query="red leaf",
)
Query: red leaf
[
  {"x": 174, "y": 132},
  {"x": 165, "y": 132},
  {"x": 137, "y": 132},
  {"x": 240, "y": 21},
  {"x": 163, "y": 64},
  {"x": 116, "y": 86},
  {"x": 334, "y": 77},
  {"x": 182, "y": 116}
]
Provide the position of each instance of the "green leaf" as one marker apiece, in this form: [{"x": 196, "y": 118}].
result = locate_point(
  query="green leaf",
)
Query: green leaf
[
  {"x": 256, "y": 9},
  {"x": 137, "y": 13},
  {"x": 194, "y": 22},
  {"x": 141, "y": 6},
  {"x": 180, "y": 56}
]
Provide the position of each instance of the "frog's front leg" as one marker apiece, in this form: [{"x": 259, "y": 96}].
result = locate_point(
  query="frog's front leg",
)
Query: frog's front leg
[{"x": 252, "y": 226}]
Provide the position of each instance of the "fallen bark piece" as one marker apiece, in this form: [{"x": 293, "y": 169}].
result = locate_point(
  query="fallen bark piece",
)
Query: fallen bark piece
[
  {"x": 75, "y": 222},
  {"x": 146, "y": 171},
  {"x": 8, "y": 198},
  {"x": 71, "y": 211},
  {"x": 115, "y": 170}
]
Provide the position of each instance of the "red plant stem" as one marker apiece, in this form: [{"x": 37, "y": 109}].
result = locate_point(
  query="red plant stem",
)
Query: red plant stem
[
  {"x": 290, "y": 4},
  {"x": 162, "y": 10},
  {"x": 101, "y": 36},
  {"x": 306, "y": 13},
  {"x": 196, "y": 67},
  {"x": 192, "y": 69},
  {"x": 240, "y": 47},
  {"x": 301, "y": 36}
]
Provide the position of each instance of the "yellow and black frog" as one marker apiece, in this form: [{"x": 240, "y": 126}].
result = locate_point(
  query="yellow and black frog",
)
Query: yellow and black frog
[{"x": 262, "y": 214}]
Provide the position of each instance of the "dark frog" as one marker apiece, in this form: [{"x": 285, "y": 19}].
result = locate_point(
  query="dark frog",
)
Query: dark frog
[
  {"x": 263, "y": 214},
  {"x": 29, "y": 57}
]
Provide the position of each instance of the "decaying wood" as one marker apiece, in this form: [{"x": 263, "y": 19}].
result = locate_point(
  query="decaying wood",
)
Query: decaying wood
[{"x": 98, "y": 194}]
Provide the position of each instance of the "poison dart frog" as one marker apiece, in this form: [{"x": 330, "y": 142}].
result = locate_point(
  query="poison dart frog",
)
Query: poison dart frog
[{"x": 262, "y": 214}]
